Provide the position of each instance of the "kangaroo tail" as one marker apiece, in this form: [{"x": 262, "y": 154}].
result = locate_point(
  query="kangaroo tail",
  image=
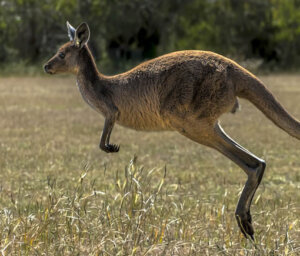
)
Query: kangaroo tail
[{"x": 254, "y": 90}]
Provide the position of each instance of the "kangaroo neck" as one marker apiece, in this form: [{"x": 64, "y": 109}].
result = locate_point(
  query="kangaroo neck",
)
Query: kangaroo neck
[
  {"x": 88, "y": 74},
  {"x": 88, "y": 77},
  {"x": 92, "y": 85}
]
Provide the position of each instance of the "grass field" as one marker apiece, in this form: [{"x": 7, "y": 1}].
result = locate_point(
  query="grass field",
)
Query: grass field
[{"x": 61, "y": 195}]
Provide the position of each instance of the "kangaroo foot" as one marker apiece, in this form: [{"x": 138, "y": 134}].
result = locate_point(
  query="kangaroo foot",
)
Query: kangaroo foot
[
  {"x": 111, "y": 148},
  {"x": 244, "y": 221}
]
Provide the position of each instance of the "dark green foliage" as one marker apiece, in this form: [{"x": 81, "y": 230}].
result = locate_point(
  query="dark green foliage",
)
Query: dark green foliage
[{"x": 129, "y": 31}]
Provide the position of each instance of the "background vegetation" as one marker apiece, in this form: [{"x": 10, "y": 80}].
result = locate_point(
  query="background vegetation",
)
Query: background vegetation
[{"x": 128, "y": 31}]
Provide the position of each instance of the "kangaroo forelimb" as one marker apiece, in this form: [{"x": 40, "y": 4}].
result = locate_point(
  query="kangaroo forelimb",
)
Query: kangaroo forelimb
[{"x": 104, "y": 141}]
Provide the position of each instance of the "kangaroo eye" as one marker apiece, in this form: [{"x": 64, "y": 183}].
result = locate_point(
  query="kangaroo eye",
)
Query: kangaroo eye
[{"x": 61, "y": 55}]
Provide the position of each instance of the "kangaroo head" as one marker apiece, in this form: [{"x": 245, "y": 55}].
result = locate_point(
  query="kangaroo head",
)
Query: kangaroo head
[{"x": 67, "y": 57}]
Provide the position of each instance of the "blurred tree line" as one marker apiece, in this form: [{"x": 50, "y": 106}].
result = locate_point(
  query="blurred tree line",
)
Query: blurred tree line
[{"x": 125, "y": 31}]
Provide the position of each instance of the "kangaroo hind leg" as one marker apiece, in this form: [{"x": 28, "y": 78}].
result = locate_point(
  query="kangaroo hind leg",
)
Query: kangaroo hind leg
[{"x": 253, "y": 166}]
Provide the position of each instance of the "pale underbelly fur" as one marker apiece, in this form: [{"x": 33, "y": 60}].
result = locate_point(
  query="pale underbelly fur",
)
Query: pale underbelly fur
[{"x": 143, "y": 121}]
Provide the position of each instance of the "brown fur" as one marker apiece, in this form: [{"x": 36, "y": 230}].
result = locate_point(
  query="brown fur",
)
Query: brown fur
[{"x": 185, "y": 91}]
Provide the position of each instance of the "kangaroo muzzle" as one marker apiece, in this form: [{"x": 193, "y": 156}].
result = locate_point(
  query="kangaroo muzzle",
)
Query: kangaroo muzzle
[{"x": 47, "y": 68}]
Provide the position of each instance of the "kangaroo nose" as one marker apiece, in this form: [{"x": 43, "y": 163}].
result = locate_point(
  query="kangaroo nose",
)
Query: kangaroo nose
[{"x": 46, "y": 67}]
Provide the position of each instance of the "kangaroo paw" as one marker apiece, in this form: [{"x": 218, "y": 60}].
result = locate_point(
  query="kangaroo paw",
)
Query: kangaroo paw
[
  {"x": 244, "y": 221},
  {"x": 111, "y": 148}
]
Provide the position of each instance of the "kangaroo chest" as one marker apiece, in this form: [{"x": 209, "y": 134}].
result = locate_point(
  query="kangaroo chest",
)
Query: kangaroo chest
[{"x": 90, "y": 97}]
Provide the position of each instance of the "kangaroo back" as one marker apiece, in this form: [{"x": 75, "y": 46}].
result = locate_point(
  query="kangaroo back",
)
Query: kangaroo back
[{"x": 253, "y": 89}]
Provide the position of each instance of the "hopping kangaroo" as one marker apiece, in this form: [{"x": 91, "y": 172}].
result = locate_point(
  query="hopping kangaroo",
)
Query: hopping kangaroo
[{"x": 185, "y": 91}]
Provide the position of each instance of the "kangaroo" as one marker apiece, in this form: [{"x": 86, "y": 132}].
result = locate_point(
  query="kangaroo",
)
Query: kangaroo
[{"x": 184, "y": 91}]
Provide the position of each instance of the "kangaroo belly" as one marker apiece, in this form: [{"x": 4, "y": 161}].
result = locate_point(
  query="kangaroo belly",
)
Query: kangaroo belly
[{"x": 143, "y": 121}]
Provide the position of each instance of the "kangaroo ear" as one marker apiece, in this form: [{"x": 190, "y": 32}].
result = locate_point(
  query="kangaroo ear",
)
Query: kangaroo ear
[
  {"x": 71, "y": 31},
  {"x": 82, "y": 35}
]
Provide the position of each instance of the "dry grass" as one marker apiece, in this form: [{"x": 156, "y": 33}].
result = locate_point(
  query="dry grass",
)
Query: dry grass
[{"x": 61, "y": 195}]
